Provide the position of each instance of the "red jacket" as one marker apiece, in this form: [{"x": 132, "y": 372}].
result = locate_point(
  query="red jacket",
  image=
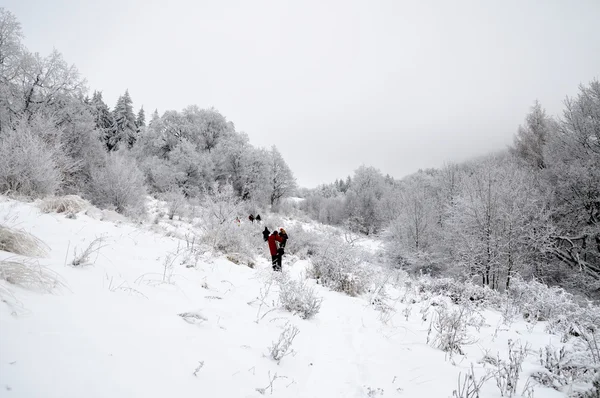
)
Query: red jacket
[{"x": 272, "y": 244}]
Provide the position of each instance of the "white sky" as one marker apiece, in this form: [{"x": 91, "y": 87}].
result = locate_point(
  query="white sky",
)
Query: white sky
[{"x": 399, "y": 85}]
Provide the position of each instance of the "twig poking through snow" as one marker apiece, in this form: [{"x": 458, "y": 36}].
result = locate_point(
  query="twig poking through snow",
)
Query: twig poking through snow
[
  {"x": 200, "y": 366},
  {"x": 270, "y": 386},
  {"x": 282, "y": 347},
  {"x": 83, "y": 258}
]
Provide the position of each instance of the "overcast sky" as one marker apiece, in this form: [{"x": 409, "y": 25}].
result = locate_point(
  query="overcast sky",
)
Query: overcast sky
[{"x": 398, "y": 84}]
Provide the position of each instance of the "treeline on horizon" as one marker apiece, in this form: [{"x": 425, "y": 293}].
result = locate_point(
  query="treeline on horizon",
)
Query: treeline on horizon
[{"x": 530, "y": 211}]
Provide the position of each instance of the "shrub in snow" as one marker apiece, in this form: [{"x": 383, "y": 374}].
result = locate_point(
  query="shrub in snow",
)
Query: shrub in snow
[
  {"x": 588, "y": 339},
  {"x": 27, "y": 165},
  {"x": 29, "y": 275},
  {"x": 338, "y": 267},
  {"x": 299, "y": 298},
  {"x": 562, "y": 367},
  {"x": 221, "y": 231},
  {"x": 176, "y": 202},
  {"x": 118, "y": 184},
  {"x": 593, "y": 392},
  {"x": 448, "y": 329},
  {"x": 302, "y": 243},
  {"x": 469, "y": 385},
  {"x": 539, "y": 302},
  {"x": 69, "y": 204},
  {"x": 509, "y": 371},
  {"x": 83, "y": 257},
  {"x": 457, "y": 291},
  {"x": 283, "y": 346},
  {"x": 21, "y": 242},
  {"x": 161, "y": 176}
]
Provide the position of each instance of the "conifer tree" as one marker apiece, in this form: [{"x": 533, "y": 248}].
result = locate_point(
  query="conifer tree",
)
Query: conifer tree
[
  {"x": 124, "y": 128},
  {"x": 102, "y": 117},
  {"x": 140, "y": 121}
]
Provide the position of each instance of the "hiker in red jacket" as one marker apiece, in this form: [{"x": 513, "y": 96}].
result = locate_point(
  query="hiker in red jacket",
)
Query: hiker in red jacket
[{"x": 276, "y": 255}]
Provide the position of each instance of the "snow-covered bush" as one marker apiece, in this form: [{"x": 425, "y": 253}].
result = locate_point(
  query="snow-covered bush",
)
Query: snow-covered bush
[
  {"x": 160, "y": 175},
  {"x": 176, "y": 202},
  {"x": 83, "y": 257},
  {"x": 69, "y": 204},
  {"x": 283, "y": 346},
  {"x": 457, "y": 291},
  {"x": 217, "y": 220},
  {"x": 303, "y": 243},
  {"x": 337, "y": 266},
  {"x": 469, "y": 385},
  {"x": 27, "y": 165},
  {"x": 593, "y": 392},
  {"x": 118, "y": 185},
  {"x": 448, "y": 329},
  {"x": 538, "y": 302},
  {"x": 21, "y": 242},
  {"x": 562, "y": 367},
  {"x": 509, "y": 371},
  {"x": 299, "y": 298},
  {"x": 29, "y": 275}
]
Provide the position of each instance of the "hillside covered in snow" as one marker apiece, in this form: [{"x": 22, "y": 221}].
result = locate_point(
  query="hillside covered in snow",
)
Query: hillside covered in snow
[{"x": 147, "y": 311}]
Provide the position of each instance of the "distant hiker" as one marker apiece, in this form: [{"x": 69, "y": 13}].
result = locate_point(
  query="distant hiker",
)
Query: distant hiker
[
  {"x": 274, "y": 238},
  {"x": 266, "y": 234},
  {"x": 284, "y": 236},
  {"x": 251, "y": 218},
  {"x": 257, "y": 218},
  {"x": 238, "y": 221}
]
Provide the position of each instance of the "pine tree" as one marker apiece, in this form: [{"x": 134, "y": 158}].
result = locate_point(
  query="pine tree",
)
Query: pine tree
[
  {"x": 140, "y": 121},
  {"x": 102, "y": 117},
  {"x": 124, "y": 128}
]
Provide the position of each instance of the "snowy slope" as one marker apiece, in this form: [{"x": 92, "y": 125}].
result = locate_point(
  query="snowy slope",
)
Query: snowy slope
[{"x": 114, "y": 330}]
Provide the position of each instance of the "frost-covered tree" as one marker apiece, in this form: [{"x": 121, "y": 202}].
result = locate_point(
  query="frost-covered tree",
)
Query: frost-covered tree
[
  {"x": 418, "y": 216},
  {"x": 11, "y": 52},
  {"x": 362, "y": 199},
  {"x": 140, "y": 120},
  {"x": 245, "y": 167},
  {"x": 281, "y": 179},
  {"x": 124, "y": 131},
  {"x": 573, "y": 171},
  {"x": 103, "y": 118},
  {"x": 38, "y": 85},
  {"x": 531, "y": 138},
  {"x": 28, "y": 165},
  {"x": 205, "y": 127},
  {"x": 499, "y": 223},
  {"x": 118, "y": 183}
]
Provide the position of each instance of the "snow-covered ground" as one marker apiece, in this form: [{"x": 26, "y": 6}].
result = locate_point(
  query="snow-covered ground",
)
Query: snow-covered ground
[{"x": 115, "y": 330}]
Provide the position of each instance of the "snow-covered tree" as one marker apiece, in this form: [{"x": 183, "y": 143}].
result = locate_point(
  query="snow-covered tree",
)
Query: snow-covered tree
[
  {"x": 362, "y": 199},
  {"x": 124, "y": 131},
  {"x": 531, "y": 138},
  {"x": 573, "y": 170},
  {"x": 499, "y": 223},
  {"x": 102, "y": 115},
  {"x": 11, "y": 52},
  {"x": 28, "y": 166},
  {"x": 118, "y": 183},
  {"x": 140, "y": 120},
  {"x": 281, "y": 179}
]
